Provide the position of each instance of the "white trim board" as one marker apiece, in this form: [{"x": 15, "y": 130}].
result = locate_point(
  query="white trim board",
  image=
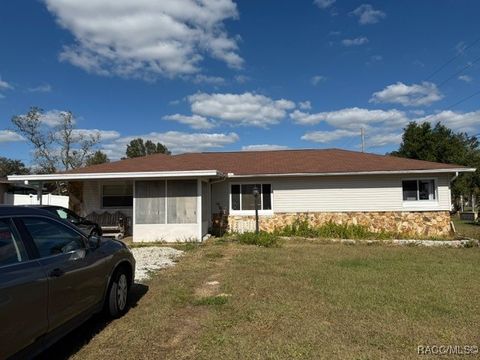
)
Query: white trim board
[{"x": 117, "y": 175}]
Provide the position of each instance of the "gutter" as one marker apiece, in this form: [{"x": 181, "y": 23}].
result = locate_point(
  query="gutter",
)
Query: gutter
[
  {"x": 393, "y": 172},
  {"x": 117, "y": 175}
]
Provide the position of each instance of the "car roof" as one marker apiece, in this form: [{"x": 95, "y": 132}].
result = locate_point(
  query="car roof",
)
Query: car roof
[{"x": 11, "y": 210}]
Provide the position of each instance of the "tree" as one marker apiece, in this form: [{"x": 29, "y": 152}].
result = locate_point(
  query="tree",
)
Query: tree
[
  {"x": 97, "y": 158},
  {"x": 57, "y": 144},
  {"x": 12, "y": 167},
  {"x": 137, "y": 148},
  {"x": 441, "y": 144}
]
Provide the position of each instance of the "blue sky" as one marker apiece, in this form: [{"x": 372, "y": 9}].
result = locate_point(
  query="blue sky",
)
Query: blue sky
[{"x": 221, "y": 75}]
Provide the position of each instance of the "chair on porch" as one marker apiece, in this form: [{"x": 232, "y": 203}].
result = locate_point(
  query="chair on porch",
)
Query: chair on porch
[{"x": 112, "y": 224}]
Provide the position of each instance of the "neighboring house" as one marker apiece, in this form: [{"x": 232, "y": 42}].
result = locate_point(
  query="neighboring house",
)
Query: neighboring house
[{"x": 175, "y": 198}]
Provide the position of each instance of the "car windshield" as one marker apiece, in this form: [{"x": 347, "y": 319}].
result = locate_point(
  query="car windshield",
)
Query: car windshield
[{"x": 66, "y": 214}]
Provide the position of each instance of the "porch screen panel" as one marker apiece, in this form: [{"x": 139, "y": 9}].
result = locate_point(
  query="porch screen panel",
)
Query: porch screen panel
[
  {"x": 181, "y": 201},
  {"x": 150, "y": 202},
  {"x": 205, "y": 199}
]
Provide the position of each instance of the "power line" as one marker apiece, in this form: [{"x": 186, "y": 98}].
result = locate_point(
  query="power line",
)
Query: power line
[
  {"x": 463, "y": 100},
  {"x": 451, "y": 60},
  {"x": 469, "y": 65}
]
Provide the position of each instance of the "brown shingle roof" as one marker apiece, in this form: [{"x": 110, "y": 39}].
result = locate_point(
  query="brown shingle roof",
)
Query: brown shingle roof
[{"x": 269, "y": 162}]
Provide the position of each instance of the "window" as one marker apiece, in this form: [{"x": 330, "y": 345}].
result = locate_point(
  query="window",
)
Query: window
[
  {"x": 117, "y": 195},
  {"x": 52, "y": 238},
  {"x": 242, "y": 198},
  {"x": 11, "y": 249},
  {"x": 414, "y": 190},
  {"x": 67, "y": 215},
  {"x": 182, "y": 202}
]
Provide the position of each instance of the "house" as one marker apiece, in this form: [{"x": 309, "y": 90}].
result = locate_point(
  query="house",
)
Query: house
[{"x": 175, "y": 198}]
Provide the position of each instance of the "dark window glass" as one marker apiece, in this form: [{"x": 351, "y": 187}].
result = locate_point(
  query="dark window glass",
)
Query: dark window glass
[
  {"x": 409, "y": 190},
  {"x": 11, "y": 249},
  {"x": 248, "y": 200},
  {"x": 52, "y": 238},
  {"x": 267, "y": 196},
  {"x": 426, "y": 189},
  {"x": 117, "y": 195},
  {"x": 235, "y": 197}
]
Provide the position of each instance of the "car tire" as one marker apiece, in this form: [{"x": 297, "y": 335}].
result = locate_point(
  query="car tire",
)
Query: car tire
[{"x": 117, "y": 297}]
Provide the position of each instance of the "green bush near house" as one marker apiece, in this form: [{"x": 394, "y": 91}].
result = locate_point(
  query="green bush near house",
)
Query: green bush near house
[
  {"x": 263, "y": 238},
  {"x": 331, "y": 230}
]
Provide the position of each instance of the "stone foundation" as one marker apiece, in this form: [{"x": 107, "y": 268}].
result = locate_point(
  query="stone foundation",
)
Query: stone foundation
[{"x": 408, "y": 223}]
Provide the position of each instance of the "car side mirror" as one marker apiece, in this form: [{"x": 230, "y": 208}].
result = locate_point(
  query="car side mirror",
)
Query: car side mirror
[
  {"x": 94, "y": 241},
  {"x": 78, "y": 254}
]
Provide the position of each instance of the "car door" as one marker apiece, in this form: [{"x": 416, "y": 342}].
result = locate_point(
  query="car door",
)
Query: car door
[
  {"x": 76, "y": 274},
  {"x": 23, "y": 293}
]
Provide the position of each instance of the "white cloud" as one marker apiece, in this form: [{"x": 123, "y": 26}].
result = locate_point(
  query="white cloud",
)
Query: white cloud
[
  {"x": 465, "y": 78},
  {"x": 212, "y": 80},
  {"x": 317, "y": 79},
  {"x": 105, "y": 135},
  {"x": 367, "y": 14},
  {"x": 352, "y": 118},
  {"x": 379, "y": 140},
  {"x": 194, "y": 121},
  {"x": 328, "y": 136},
  {"x": 146, "y": 38},
  {"x": 5, "y": 85},
  {"x": 241, "y": 79},
  {"x": 422, "y": 94},
  {"x": 177, "y": 142},
  {"x": 305, "y": 105},
  {"x": 44, "y": 88},
  {"x": 323, "y": 4},
  {"x": 467, "y": 122},
  {"x": 9, "y": 136},
  {"x": 52, "y": 117},
  {"x": 355, "y": 41},
  {"x": 264, "y": 147},
  {"x": 241, "y": 109}
]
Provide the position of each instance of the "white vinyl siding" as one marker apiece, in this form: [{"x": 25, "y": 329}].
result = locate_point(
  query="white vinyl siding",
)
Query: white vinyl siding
[{"x": 339, "y": 194}]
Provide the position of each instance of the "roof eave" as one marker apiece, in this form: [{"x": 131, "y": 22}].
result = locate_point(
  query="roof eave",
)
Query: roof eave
[
  {"x": 382, "y": 172},
  {"x": 116, "y": 175}
]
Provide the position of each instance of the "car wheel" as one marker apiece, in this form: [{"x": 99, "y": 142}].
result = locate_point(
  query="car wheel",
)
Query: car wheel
[{"x": 117, "y": 297}]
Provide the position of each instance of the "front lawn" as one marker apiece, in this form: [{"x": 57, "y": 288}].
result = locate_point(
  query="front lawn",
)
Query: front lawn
[
  {"x": 302, "y": 300},
  {"x": 467, "y": 228}
]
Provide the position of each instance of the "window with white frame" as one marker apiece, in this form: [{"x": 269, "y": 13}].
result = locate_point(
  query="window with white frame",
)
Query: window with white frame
[
  {"x": 117, "y": 195},
  {"x": 242, "y": 198},
  {"x": 419, "y": 190}
]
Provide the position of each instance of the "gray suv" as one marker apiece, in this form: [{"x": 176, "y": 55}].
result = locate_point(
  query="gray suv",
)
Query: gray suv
[{"x": 53, "y": 278}]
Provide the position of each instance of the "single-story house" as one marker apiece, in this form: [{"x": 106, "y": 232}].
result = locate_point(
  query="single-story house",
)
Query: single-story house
[{"x": 180, "y": 197}]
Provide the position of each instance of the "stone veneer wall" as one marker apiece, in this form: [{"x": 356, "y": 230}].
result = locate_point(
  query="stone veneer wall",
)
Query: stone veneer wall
[{"x": 411, "y": 223}]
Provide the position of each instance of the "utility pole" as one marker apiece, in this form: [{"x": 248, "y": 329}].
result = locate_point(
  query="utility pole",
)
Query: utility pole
[{"x": 362, "y": 132}]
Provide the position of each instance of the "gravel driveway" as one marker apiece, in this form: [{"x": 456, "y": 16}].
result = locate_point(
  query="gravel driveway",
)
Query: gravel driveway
[{"x": 153, "y": 258}]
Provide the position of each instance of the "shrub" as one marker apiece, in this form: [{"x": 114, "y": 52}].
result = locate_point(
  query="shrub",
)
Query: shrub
[
  {"x": 330, "y": 230},
  {"x": 263, "y": 238}
]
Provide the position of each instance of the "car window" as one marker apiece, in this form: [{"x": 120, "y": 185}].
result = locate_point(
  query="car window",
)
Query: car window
[
  {"x": 52, "y": 238},
  {"x": 62, "y": 214},
  {"x": 67, "y": 215},
  {"x": 11, "y": 249}
]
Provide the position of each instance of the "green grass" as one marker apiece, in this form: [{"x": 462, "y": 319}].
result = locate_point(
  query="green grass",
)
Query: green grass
[
  {"x": 263, "y": 238},
  {"x": 467, "y": 229},
  {"x": 303, "y": 300},
  {"x": 212, "y": 300}
]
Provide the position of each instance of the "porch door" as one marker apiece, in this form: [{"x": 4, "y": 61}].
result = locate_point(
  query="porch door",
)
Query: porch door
[{"x": 205, "y": 207}]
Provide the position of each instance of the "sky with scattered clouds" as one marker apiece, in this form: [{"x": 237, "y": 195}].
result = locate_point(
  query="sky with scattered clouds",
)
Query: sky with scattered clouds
[{"x": 224, "y": 75}]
